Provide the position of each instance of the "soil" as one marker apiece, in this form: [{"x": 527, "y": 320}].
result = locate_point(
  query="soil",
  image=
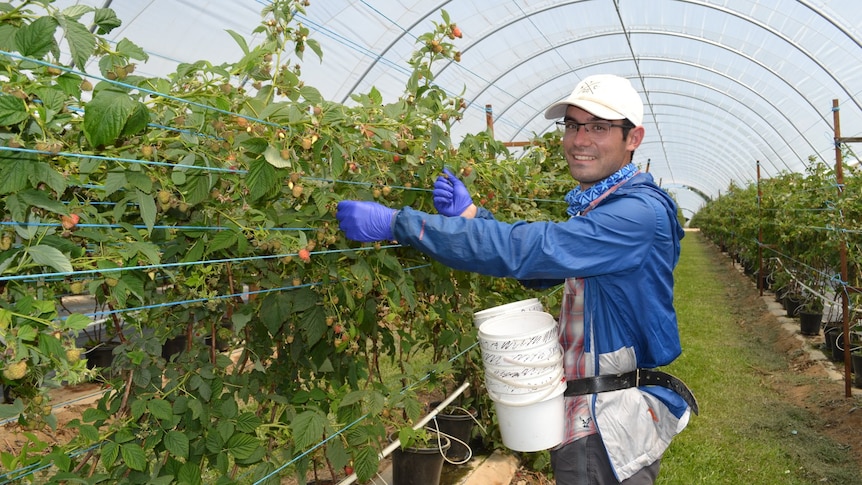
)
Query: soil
[{"x": 824, "y": 392}]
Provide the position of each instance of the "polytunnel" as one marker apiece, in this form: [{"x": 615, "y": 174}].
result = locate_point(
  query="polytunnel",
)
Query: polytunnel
[
  {"x": 726, "y": 83},
  {"x": 217, "y": 263}
]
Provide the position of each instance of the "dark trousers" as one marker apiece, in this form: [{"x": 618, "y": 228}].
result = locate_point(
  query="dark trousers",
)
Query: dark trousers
[{"x": 585, "y": 462}]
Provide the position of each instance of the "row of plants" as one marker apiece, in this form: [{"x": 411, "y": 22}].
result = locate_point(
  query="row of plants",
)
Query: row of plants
[
  {"x": 199, "y": 208},
  {"x": 788, "y": 232}
]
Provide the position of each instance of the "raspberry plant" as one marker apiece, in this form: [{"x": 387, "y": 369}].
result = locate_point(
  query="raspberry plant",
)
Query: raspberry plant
[{"x": 200, "y": 207}]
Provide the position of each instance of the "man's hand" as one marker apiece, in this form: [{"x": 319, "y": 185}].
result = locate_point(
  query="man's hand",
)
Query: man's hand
[
  {"x": 365, "y": 221},
  {"x": 451, "y": 197}
]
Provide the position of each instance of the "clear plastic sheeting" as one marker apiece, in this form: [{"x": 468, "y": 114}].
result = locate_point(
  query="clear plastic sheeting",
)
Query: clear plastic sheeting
[{"x": 727, "y": 83}]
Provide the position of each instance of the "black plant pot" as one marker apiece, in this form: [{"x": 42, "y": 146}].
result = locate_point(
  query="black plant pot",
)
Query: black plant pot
[
  {"x": 792, "y": 304},
  {"x": 174, "y": 346},
  {"x": 830, "y": 335},
  {"x": 419, "y": 464},
  {"x": 101, "y": 357},
  {"x": 457, "y": 423},
  {"x": 856, "y": 359},
  {"x": 809, "y": 322}
]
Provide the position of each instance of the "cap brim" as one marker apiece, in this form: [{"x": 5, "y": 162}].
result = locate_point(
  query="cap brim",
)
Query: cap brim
[{"x": 558, "y": 110}]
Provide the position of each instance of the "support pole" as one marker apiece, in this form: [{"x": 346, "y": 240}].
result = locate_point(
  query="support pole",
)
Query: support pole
[
  {"x": 489, "y": 119},
  {"x": 842, "y": 252}
]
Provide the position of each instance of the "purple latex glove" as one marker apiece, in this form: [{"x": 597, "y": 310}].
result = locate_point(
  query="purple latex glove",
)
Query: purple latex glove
[
  {"x": 451, "y": 197},
  {"x": 365, "y": 221}
]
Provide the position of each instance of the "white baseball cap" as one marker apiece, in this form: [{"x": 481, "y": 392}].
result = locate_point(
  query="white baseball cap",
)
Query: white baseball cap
[{"x": 604, "y": 95}]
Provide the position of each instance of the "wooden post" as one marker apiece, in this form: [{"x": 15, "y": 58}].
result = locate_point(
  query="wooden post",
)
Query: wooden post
[
  {"x": 489, "y": 119},
  {"x": 842, "y": 253}
]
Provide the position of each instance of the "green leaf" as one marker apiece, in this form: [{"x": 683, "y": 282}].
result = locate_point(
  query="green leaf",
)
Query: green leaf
[
  {"x": 273, "y": 156},
  {"x": 353, "y": 397},
  {"x": 240, "y": 41},
  {"x": 177, "y": 444},
  {"x": 214, "y": 442},
  {"x": 81, "y": 42},
  {"x": 365, "y": 463},
  {"x": 89, "y": 432},
  {"x": 313, "y": 324},
  {"x": 225, "y": 429},
  {"x": 27, "y": 333},
  {"x": 76, "y": 11},
  {"x": 106, "y": 19},
  {"x": 138, "y": 408},
  {"x": 229, "y": 409},
  {"x": 12, "y": 111},
  {"x": 315, "y": 47},
  {"x": 221, "y": 240},
  {"x": 43, "y": 173},
  {"x": 11, "y": 410},
  {"x": 312, "y": 95},
  {"x": 147, "y": 206},
  {"x": 14, "y": 172},
  {"x": 189, "y": 474},
  {"x": 76, "y": 321},
  {"x": 110, "y": 452},
  {"x": 37, "y": 39},
  {"x": 137, "y": 121},
  {"x": 242, "y": 445},
  {"x": 131, "y": 50},
  {"x": 307, "y": 428},
  {"x": 134, "y": 456},
  {"x": 38, "y": 198},
  {"x": 50, "y": 345},
  {"x": 105, "y": 116},
  {"x": 160, "y": 409},
  {"x": 53, "y": 97},
  {"x": 92, "y": 415},
  {"x": 7, "y": 37},
  {"x": 247, "y": 422},
  {"x": 114, "y": 181},
  {"x": 337, "y": 454},
  {"x": 149, "y": 250},
  {"x": 48, "y": 256},
  {"x": 261, "y": 179}
]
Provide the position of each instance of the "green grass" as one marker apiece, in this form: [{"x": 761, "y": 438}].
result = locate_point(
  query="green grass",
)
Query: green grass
[{"x": 746, "y": 433}]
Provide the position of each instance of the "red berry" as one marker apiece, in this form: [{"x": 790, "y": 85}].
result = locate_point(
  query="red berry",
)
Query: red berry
[
  {"x": 305, "y": 255},
  {"x": 456, "y": 31},
  {"x": 69, "y": 221}
]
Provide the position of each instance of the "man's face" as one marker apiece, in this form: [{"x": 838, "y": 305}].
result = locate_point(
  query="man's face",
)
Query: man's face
[{"x": 593, "y": 158}]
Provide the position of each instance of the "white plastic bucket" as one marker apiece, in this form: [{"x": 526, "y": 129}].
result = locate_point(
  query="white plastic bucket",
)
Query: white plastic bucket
[
  {"x": 538, "y": 356},
  {"x": 524, "y": 377},
  {"x": 532, "y": 426},
  {"x": 521, "y": 380},
  {"x": 517, "y": 331},
  {"x": 531, "y": 304}
]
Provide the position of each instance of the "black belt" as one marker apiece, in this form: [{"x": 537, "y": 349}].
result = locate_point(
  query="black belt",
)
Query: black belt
[{"x": 635, "y": 378}]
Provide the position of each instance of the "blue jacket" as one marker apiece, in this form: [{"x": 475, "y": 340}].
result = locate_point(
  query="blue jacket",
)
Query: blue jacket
[{"x": 626, "y": 249}]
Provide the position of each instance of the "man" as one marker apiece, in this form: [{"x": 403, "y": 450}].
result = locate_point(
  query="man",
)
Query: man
[{"x": 615, "y": 256}]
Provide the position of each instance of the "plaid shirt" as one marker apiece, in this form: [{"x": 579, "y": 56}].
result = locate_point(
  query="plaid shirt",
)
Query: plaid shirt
[{"x": 579, "y": 420}]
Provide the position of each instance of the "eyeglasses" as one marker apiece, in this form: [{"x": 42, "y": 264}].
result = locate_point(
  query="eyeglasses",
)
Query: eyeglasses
[{"x": 595, "y": 129}]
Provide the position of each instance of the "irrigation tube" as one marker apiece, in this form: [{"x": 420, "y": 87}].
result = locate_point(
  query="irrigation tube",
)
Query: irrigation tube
[{"x": 422, "y": 422}]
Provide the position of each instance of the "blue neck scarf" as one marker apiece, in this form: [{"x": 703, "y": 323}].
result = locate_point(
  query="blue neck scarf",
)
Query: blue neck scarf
[{"x": 579, "y": 200}]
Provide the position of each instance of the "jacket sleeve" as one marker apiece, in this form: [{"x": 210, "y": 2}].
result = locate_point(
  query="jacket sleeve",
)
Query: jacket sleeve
[{"x": 613, "y": 237}]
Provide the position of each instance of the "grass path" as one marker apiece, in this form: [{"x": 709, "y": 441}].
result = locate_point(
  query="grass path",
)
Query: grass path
[{"x": 747, "y": 432}]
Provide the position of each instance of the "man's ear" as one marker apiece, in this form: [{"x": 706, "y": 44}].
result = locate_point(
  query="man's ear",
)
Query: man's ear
[{"x": 636, "y": 136}]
